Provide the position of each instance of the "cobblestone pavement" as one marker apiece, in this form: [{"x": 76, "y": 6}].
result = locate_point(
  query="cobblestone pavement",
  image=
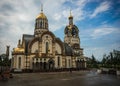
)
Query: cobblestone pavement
[{"x": 77, "y": 78}]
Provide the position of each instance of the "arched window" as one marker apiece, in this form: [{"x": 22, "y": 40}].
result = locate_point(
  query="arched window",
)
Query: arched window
[
  {"x": 40, "y": 24},
  {"x": 19, "y": 62},
  {"x": 47, "y": 47},
  {"x": 58, "y": 61},
  {"x": 65, "y": 62}
]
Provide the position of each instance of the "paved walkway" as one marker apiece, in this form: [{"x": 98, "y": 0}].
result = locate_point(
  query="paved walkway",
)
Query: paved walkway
[{"x": 77, "y": 78}]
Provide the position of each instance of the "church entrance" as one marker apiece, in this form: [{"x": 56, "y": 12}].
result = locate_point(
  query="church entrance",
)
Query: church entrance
[
  {"x": 78, "y": 64},
  {"x": 44, "y": 66},
  {"x": 51, "y": 64}
]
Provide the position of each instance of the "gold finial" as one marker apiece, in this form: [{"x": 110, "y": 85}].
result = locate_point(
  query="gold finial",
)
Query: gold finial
[
  {"x": 70, "y": 13},
  {"x": 41, "y": 7}
]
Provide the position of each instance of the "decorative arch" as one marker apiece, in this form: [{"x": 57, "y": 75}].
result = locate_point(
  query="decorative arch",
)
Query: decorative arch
[
  {"x": 48, "y": 32},
  {"x": 76, "y": 46},
  {"x": 60, "y": 43},
  {"x": 33, "y": 41},
  {"x": 51, "y": 64}
]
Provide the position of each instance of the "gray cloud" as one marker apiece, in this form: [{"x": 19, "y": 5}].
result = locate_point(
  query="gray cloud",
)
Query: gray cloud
[{"x": 17, "y": 17}]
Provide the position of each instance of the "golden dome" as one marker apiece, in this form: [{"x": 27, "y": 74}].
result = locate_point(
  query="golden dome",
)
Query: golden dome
[
  {"x": 18, "y": 49},
  {"x": 70, "y": 17},
  {"x": 41, "y": 15}
]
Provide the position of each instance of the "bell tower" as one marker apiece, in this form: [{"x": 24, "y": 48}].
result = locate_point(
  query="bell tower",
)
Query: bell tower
[
  {"x": 41, "y": 23},
  {"x": 72, "y": 38},
  {"x": 71, "y": 33}
]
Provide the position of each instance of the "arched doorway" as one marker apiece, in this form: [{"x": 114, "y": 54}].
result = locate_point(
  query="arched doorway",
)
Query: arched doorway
[
  {"x": 78, "y": 64},
  {"x": 44, "y": 66},
  {"x": 51, "y": 64},
  {"x": 40, "y": 66}
]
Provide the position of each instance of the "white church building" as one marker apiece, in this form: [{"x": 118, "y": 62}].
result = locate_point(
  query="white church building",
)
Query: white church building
[{"x": 43, "y": 51}]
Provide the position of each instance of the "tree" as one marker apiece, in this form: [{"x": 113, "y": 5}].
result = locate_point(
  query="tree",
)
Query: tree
[
  {"x": 94, "y": 62},
  {"x": 103, "y": 62},
  {"x": 4, "y": 61},
  {"x": 0, "y": 60},
  {"x": 112, "y": 60}
]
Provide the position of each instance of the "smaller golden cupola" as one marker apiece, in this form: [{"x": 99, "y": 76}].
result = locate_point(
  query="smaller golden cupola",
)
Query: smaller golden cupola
[{"x": 19, "y": 48}]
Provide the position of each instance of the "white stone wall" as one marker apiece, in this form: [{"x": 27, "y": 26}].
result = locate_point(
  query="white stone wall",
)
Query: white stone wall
[
  {"x": 31, "y": 61},
  {"x": 58, "y": 48},
  {"x": 68, "y": 62},
  {"x": 75, "y": 40},
  {"x": 54, "y": 49},
  {"x": 67, "y": 39},
  {"x": 60, "y": 61},
  {"x": 71, "y": 40},
  {"x": 16, "y": 61},
  {"x": 46, "y": 38},
  {"x": 34, "y": 47}
]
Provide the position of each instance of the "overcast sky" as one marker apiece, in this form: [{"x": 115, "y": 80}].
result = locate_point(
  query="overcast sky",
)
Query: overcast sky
[{"x": 98, "y": 22}]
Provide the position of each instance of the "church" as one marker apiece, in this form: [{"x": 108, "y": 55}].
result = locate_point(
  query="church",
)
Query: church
[{"x": 43, "y": 51}]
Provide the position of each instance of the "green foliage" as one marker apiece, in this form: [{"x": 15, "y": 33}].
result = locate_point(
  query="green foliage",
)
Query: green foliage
[
  {"x": 4, "y": 61},
  {"x": 112, "y": 60},
  {"x": 92, "y": 62}
]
